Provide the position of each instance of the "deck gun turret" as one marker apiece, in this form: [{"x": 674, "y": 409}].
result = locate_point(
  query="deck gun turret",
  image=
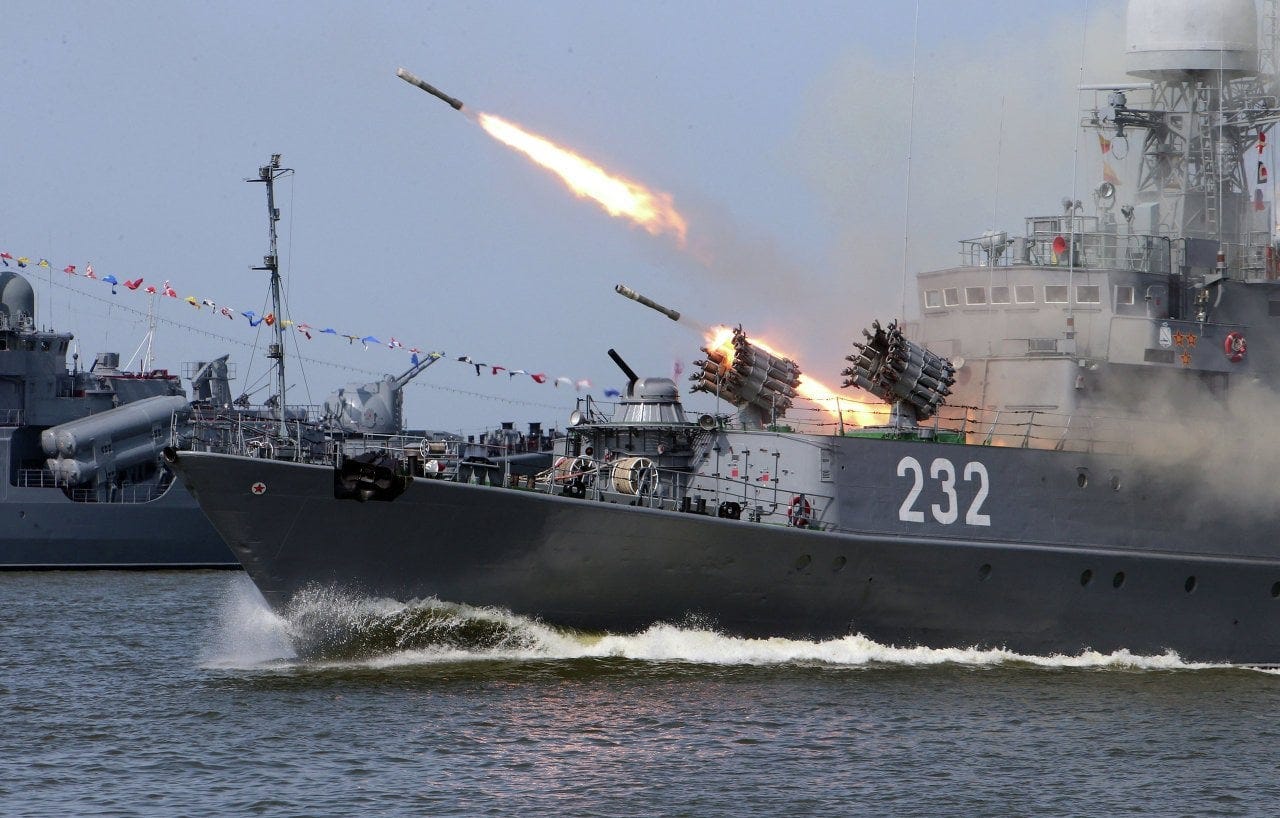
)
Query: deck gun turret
[{"x": 376, "y": 407}]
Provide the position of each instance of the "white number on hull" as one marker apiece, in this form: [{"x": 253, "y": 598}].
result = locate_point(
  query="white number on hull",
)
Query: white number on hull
[
  {"x": 905, "y": 512},
  {"x": 973, "y": 517},
  {"x": 944, "y": 471}
]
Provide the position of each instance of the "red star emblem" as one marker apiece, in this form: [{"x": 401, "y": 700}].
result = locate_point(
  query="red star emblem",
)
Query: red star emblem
[
  {"x": 1191, "y": 340},
  {"x": 1177, "y": 338},
  {"x": 258, "y": 488},
  {"x": 1186, "y": 361}
]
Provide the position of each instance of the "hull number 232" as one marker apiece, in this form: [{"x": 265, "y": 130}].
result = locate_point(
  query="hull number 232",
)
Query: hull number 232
[{"x": 943, "y": 472}]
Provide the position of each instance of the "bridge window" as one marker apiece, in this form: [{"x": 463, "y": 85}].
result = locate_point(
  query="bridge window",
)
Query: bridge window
[
  {"x": 951, "y": 296},
  {"x": 1087, "y": 294},
  {"x": 1055, "y": 293},
  {"x": 1024, "y": 294},
  {"x": 999, "y": 295},
  {"x": 932, "y": 298},
  {"x": 1124, "y": 295},
  {"x": 975, "y": 295}
]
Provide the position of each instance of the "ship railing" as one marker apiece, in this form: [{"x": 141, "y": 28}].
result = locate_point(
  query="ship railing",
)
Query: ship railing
[
  {"x": 1254, "y": 258},
  {"x": 765, "y": 498},
  {"x": 1085, "y": 249},
  {"x": 143, "y": 492},
  {"x": 35, "y": 479},
  {"x": 1046, "y": 428},
  {"x": 10, "y": 417},
  {"x": 124, "y": 495}
]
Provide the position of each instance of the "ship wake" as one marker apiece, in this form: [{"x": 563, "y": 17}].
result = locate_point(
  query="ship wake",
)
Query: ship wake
[{"x": 324, "y": 628}]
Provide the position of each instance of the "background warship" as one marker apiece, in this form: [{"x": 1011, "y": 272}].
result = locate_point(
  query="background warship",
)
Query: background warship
[
  {"x": 86, "y": 486},
  {"x": 1069, "y": 456}
]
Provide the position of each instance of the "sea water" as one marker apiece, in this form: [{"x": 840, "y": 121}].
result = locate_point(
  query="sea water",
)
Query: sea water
[{"x": 181, "y": 693}]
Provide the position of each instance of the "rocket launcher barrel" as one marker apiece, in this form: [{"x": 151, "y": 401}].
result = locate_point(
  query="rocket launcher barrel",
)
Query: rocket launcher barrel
[{"x": 624, "y": 290}]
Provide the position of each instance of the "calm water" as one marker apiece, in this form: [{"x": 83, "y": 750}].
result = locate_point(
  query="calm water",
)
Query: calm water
[{"x": 180, "y": 694}]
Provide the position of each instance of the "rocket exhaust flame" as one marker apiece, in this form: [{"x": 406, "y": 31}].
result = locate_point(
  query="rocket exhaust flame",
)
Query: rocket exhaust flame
[
  {"x": 775, "y": 377},
  {"x": 618, "y": 195}
]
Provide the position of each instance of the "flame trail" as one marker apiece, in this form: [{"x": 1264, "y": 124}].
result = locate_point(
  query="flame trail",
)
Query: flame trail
[
  {"x": 618, "y": 195},
  {"x": 852, "y": 412}
]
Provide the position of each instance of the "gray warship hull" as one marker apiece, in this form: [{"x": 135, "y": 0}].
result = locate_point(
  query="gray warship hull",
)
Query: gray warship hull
[
  {"x": 46, "y": 531},
  {"x": 1039, "y": 578}
]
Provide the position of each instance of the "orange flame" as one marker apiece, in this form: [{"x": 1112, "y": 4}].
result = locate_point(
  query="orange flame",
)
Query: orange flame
[
  {"x": 854, "y": 412},
  {"x": 618, "y": 195},
  {"x": 721, "y": 339}
]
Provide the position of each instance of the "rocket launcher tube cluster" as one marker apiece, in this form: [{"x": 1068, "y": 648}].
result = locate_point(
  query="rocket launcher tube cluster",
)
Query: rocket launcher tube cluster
[
  {"x": 748, "y": 377},
  {"x": 897, "y": 370}
]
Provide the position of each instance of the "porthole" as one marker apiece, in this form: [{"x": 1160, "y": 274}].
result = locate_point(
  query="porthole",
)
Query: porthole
[
  {"x": 802, "y": 562},
  {"x": 1082, "y": 479},
  {"x": 1275, "y": 591},
  {"x": 984, "y": 571},
  {"x": 1189, "y": 585},
  {"x": 1118, "y": 579},
  {"x": 838, "y": 563},
  {"x": 1087, "y": 576},
  {"x": 1115, "y": 482}
]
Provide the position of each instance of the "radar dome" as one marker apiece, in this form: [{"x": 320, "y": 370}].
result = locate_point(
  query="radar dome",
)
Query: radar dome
[
  {"x": 1169, "y": 39},
  {"x": 16, "y": 297}
]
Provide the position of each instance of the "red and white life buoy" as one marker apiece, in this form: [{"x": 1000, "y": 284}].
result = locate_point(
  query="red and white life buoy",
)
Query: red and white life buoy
[
  {"x": 799, "y": 511},
  {"x": 1234, "y": 347}
]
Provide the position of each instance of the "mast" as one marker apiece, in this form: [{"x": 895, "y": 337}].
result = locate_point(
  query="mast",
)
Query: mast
[{"x": 267, "y": 174}]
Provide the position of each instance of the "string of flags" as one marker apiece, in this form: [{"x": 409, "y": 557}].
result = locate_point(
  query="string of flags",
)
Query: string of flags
[{"x": 306, "y": 330}]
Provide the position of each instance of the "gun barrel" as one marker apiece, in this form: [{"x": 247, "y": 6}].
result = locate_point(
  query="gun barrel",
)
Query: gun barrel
[
  {"x": 414, "y": 79},
  {"x": 624, "y": 290}
]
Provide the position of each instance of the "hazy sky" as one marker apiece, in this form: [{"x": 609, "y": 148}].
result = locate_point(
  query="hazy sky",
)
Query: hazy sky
[{"x": 780, "y": 130}]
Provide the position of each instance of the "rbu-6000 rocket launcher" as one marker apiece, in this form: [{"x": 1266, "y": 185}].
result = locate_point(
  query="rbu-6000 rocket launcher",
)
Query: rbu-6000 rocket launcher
[
  {"x": 900, "y": 372},
  {"x": 747, "y": 376}
]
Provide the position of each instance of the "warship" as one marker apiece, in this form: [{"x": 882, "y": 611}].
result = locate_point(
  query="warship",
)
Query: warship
[
  {"x": 1065, "y": 452},
  {"x": 86, "y": 486},
  {"x": 80, "y": 448}
]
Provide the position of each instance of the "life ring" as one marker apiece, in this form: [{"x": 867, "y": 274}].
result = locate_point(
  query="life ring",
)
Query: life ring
[
  {"x": 799, "y": 511},
  {"x": 1234, "y": 347},
  {"x": 562, "y": 470}
]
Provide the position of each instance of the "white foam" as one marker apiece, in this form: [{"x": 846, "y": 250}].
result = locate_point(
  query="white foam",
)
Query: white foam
[
  {"x": 247, "y": 632},
  {"x": 250, "y": 634}
]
